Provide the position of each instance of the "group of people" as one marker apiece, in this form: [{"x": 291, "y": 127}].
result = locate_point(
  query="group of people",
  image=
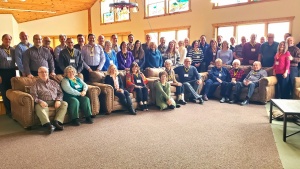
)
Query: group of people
[{"x": 39, "y": 59}]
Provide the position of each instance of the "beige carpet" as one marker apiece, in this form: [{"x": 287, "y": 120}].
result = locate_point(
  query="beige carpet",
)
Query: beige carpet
[{"x": 211, "y": 136}]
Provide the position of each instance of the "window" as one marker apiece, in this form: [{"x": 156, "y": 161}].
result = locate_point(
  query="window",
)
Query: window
[
  {"x": 110, "y": 16},
  {"x": 169, "y": 34},
  {"x": 123, "y": 36},
  {"x": 163, "y": 7},
  {"x": 278, "y": 26}
]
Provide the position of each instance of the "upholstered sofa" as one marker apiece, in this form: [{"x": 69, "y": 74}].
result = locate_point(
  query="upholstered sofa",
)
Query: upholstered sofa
[
  {"x": 264, "y": 93},
  {"x": 109, "y": 102},
  {"x": 152, "y": 74},
  {"x": 22, "y": 103},
  {"x": 296, "y": 93}
]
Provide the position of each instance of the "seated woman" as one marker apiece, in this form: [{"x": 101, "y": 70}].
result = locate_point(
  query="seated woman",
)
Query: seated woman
[
  {"x": 110, "y": 56},
  {"x": 153, "y": 56},
  {"x": 115, "y": 81},
  {"x": 225, "y": 54},
  {"x": 139, "y": 54},
  {"x": 136, "y": 81},
  {"x": 197, "y": 56},
  {"x": 173, "y": 82},
  {"x": 125, "y": 58},
  {"x": 163, "y": 97},
  {"x": 75, "y": 95},
  {"x": 172, "y": 53},
  {"x": 217, "y": 76}
]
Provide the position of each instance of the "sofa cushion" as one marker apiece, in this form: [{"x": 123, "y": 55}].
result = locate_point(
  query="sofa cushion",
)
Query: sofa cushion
[
  {"x": 19, "y": 83},
  {"x": 152, "y": 72}
]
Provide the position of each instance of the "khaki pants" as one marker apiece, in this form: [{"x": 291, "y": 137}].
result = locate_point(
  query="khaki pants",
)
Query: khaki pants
[{"x": 43, "y": 113}]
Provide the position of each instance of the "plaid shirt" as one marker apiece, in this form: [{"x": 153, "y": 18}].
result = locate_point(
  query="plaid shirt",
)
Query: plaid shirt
[{"x": 238, "y": 76}]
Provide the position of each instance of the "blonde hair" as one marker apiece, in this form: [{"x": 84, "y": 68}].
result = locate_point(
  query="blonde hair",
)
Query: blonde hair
[
  {"x": 286, "y": 46},
  {"x": 152, "y": 44},
  {"x": 69, "y": 68},
  {"x": 110, "y": 68},
  {"x": 219, "y": 60},
  {"x": 225, "y": 42}
]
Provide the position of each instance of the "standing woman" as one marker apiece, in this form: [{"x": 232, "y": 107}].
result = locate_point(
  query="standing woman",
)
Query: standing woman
[
  {"x": 75, "y": 95},
  {"x": 163, "y": 97},
  {"x": 112, "y": 78},
  {"x": 281, "y": 69},
  {"x": 197, "y": 56},
  {"x": 172, "y": 53},
  {"x": 153, "y": 56},
  {"x": 7, "y": 69},
  {"x": 182, "y": 52},
  {"x": 225, "y": 54},
  {"x": 173, "y": 82},
  {"x": 211, "y": 53},
  {"x": 136, "y": 81},
  {"x": 125, "y": 57},
  {"x": 139, "y": 54},
  {"x": 110, "y": 56}
]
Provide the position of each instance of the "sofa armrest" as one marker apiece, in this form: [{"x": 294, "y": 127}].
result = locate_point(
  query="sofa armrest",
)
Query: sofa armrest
[
  {"x": 22, "y": 107},
  {"x": 266, "y": 88},
  {"x": 93, "y": 93},
  {"x": 106, "y": 97},
  {"x": 204, "y": 76},
  {"x": 268, "y": 81},
  {"x": 297, "y": 82}
]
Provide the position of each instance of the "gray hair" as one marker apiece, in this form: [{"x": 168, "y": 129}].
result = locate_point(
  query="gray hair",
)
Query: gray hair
[
  {"x": 218, "y": 60},
  {"x": 69, "y": 68},
  {"x": 169, "y": 61},
  {"x": 236, "y": 61}
]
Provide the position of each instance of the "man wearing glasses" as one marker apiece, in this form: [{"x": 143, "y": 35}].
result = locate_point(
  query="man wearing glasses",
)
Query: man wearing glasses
[{"x": 268, "y": 51}]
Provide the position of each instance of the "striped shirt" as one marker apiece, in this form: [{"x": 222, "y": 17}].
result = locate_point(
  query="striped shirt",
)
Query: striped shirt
[
  {"x": 7, "y": 58},
  {"x": 197, "y": 56},
  {"x": 36, "y": 57},
  {"x": 93, "y": 56},
  {"x": 19, "y": 52},
  {"x": 46, "y": 91}
]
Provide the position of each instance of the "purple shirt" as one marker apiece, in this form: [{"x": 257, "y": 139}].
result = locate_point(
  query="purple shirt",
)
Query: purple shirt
[
  {"x": 250, "y": 52},
  {"x": 124, "y": 61}
]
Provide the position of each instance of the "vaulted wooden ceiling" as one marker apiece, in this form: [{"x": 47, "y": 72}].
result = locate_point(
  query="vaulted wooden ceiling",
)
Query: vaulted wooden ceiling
[{"x": 60, "y": 7}]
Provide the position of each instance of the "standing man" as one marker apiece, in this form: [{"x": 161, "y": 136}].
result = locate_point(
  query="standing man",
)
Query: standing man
[
  {"x": 145, "y": 45},
  {"x": 70, "y": 56},
  {"x": 219, "y": 40},
  {"x": 7, "y": 69},
  {"x": 191, "y": 80},
  {"x": 162, "y": 47},
  {"x": 36, "y": 57},
  {"x": 238, "y": 50},
  {"x": 295, "y": 60},
  {"x": 62, "y": 40},
  {"x": 203, "y": 45},
  {"x": 101, "y": 41},
  {"x": 81, "y": 42},
  {"x": 20, "y": 50},
  {"x": 130, "y": 44},
  {"x": 268, "y": 51},
  {"x": 187, "y": 45},
  {"x": 92, "y": 56},
  {"x": 46, "y": 44},
  {"x": 251, "y": 51},
  {"x": 114, "y": 42},
  {"x": 46, "y": 93}
]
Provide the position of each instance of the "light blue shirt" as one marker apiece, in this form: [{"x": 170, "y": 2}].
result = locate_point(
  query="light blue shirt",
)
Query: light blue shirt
[
  {"x": 110, "y": 59},
  {"x": 93, "y": 56},
  {"x": 57, "y": 51},
  {"x": 225, "y": 56},
  {"x": 19, "y": 51}
]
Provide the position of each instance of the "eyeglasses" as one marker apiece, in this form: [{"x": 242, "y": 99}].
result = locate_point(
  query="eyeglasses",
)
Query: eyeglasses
[{"x": 43, "y": 72}]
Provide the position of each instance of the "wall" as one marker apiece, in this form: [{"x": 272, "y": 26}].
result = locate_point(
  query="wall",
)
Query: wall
[
  {"x": 201, "y": 18},
  {"x": 9, "y": 26}
]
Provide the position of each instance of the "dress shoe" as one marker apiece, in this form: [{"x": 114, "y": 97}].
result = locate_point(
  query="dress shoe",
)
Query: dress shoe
[
  {"x": 222, "y": 100},
  {"x": 178, "y": 106},
  {"x": 227, "y": 99},
  {"x": 246, "y": 102},
  {"x": 132, "y": 111},
  {"x": 76, "y": 122},
  {"x": 142, "y": 107},
  {"x": 205, "y": 97},
  {"x": 57, "y": 125},
  {"x": 233, "y": 101},
  {"x": 171, "y": 107},
  {"x": 146, "y": 107},
  {"x": 50, "y": 128},
  {"x": 182, "y": 102},
  {"x": 201, "y": 101},
  {"x": 89, "y": 120}
]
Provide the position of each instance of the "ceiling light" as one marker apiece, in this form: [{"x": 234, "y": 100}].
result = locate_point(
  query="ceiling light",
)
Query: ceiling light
[
  {"x": 26, "y": 10},
  {"x": 122, "y": 5}
]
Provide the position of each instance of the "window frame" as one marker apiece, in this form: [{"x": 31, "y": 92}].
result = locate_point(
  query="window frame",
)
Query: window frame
[
  {"x": 266, "y": 22},
  {"x": 102, "y": 17},
  {"x": 176, "y": 29},
  {"x": 166, "y": 10},
  {"x": 214, "y": 6}
]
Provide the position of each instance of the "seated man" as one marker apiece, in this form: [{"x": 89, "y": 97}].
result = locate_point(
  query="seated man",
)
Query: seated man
[
  {"x": 251, "y": 81},
  {"x": 45, "y": 93},
  {"x": 189, "y": 77}
]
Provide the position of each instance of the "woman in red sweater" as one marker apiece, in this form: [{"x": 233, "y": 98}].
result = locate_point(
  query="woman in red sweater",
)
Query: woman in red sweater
[{"x": 281, "y": 69}]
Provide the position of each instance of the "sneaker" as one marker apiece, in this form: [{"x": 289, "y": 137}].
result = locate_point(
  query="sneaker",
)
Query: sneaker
[
  {"x": 246, "y": 102},
  {"x": 182, "y": 102},
  {"x": 205, "y": 97},
  {"x": 227, "y": 99},
  {"x": 201, "y": 101},
  {"x": 222, "y": 100},
  {"x": 172, "y": 107}
]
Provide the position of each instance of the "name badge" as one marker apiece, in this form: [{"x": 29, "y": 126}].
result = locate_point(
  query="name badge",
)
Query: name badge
[
  {"x": 77, "y": 86},
  {"x": 186, "y": 75},
  {"x": 9, "y": 58},
  {"x": 276, "y": 63},
  {"x": 137, "y": 60},
  {"x": 170, "y": 81},
  {"x": 91, "y": 54},
  {"x": 252, "y": 49},
  {"x": 138, "y": 81},
  {"x": 72, "y": 60},
  {"x": 125, "y": 61},
  {"x": 214, "y": 53},
  {"x": 233, "y": 79},
  {"x": 111, "y": 62},
  {"x": 220, "y": 74}
]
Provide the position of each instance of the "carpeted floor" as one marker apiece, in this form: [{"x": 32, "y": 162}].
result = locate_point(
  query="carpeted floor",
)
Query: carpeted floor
[{"x": 211, "y": 136}]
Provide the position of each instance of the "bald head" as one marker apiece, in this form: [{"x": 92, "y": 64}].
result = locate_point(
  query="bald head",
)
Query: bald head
[
  {"x": 23, "y": 37},
  {"x": 46, "y": 41}
]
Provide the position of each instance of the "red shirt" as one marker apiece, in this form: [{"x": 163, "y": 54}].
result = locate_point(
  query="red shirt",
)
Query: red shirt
[{"x": 282, "y": 63}]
